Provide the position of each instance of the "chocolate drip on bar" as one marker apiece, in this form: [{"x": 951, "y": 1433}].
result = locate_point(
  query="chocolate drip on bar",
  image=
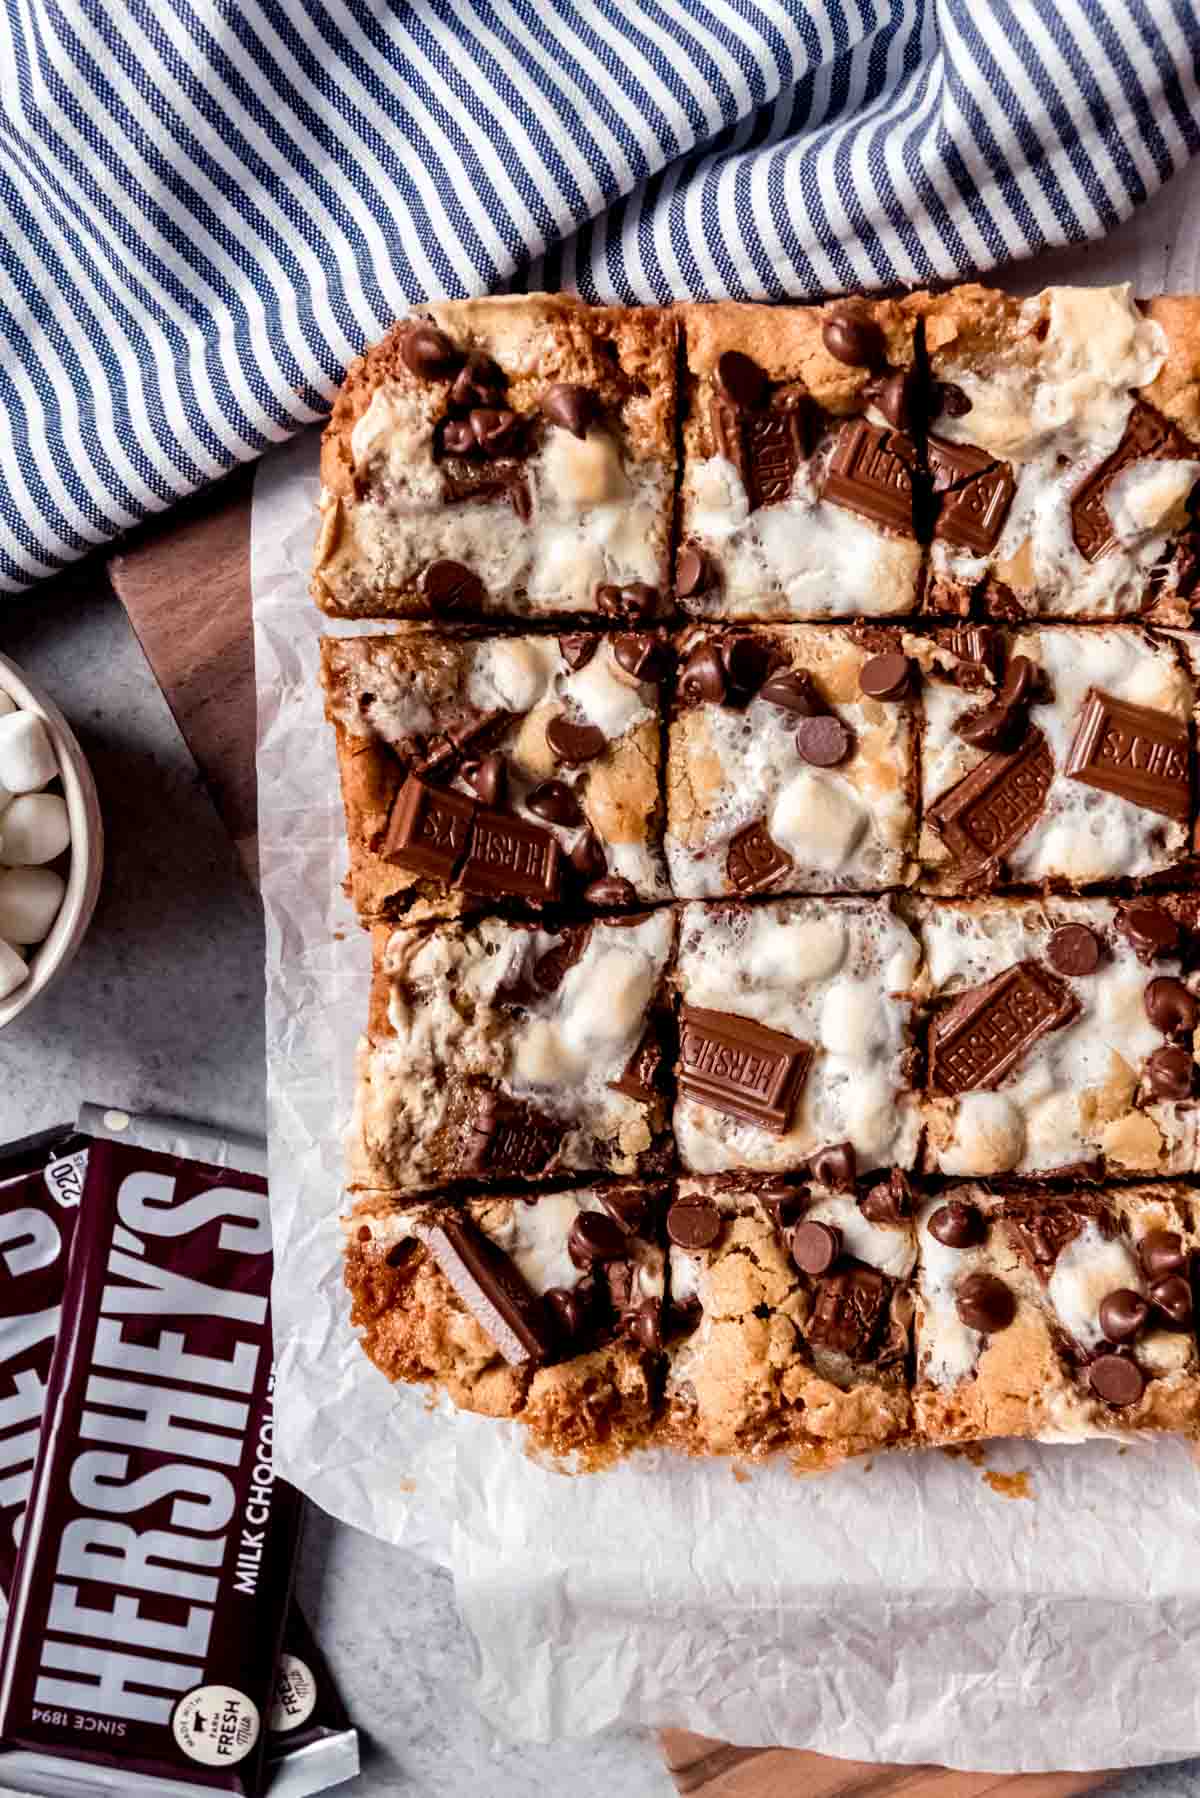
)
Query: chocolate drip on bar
[
  {"x": 985, "y": 1033},
  {"x": 1148, "y": 437},
  {"x": 741, "y": 1068},
  {"x": 991, "y": 808},
  {"x": 491, "y": 1288},
  {"x": 1135, "y": 751},
  {"x": 871, "y": 473}
]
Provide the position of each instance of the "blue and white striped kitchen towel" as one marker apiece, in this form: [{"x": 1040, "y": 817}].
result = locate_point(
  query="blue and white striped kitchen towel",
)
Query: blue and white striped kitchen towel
[{"x": 208, "y": 206}]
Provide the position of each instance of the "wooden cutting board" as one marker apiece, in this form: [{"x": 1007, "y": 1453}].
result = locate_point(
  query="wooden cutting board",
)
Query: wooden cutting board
[{"x": 185, "y": 584}]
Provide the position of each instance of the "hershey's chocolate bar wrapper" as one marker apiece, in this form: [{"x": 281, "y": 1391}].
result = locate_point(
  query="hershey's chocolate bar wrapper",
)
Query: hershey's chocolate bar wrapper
[
  {"x": 310, "y": 1731},
  {"x": 157, "y": 1553},
  {"x": 41, "y": 1183}
]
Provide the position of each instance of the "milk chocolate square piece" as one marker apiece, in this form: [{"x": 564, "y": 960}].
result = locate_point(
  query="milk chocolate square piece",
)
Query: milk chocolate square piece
[
  {"x": 791, "y": 762},
  {"x": 499, "y": 1051},
  {"x": 510, "y": 456},
  {"x": 832, "y": 979},
  {"x": 798, "y": 481},
  {"x": 1056, "y": 1313},
  {"x": 491, "y": 772},
  {"x": 1062, "y": 1036},
  {"x": 549, "y": 1308},
  {"x": 1065, "y": 443},
  {"x": 789, "y": 1314},
  {"x": 1058, "y": 753}
]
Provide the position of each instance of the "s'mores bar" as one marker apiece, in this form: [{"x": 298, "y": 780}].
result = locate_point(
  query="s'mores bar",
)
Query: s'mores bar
[
  {"x": 1059, "y": 1316},
  {"x": 512, "y": 456},
  {"x": 790, "y": 1314},
  {"x": 797, "y": 496},
  {"x": 1064, "y": 453},
  {"x": 791, "y": 762},
  {"x": 795, "y": 1034},
  {"x": 500, "y": 1051},
  {"x": 1058, "y": 754},
  {"x": 519, "y": 771},
  {"x": 546, "y": 1308},
  {"x": 1062, "y": 1036}
]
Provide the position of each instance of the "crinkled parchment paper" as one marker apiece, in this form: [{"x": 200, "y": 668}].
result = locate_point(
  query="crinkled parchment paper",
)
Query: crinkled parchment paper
[{"x": 903, "y": 1609}]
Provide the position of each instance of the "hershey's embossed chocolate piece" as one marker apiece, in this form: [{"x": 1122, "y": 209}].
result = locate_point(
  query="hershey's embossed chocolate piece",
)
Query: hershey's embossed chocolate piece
[
  {"x": 640, "y": 1078},
  {"x": 491, "y": 1287},
  {"x": 508, "y": 1137},
  {"x": 846, "y": 1311},
  {"x": 1148, "y": 437},
  {"x": 741, "y": 1068},
  {"x": 428, "y": 829},
  {"x": 976, "y": 492},
  {"x": 871, "y": 473},
  {"x": 1040, "y": 1233},
  {"x": 1136, "y": 751},
  {"x": 766, "y": 444},
  {"x": 983, "y": 1035},
  {"x": 511, "y": 858},
  {"x": 990, "y": 809},
  {"x": 755, "y": 859}
]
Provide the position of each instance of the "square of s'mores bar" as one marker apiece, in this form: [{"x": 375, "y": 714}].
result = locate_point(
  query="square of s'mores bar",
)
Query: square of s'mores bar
[
  {"x": 1065, "y": 452},
  {"x": 1055, "y": 754},
  {"x": 513, "y": 455},
  {"x": 790, "y": 1313},
  {"x": 795, "y": 1035},
  {"x": 548, "y": 1308},
  {"x": 797, "y": 496},
  {"x": 499, "y": 1051},
  {"x": 482, "y": 770},
  {"x": 1059, "y": 1315},
  {"x": 1062, "y": 1036},
  {"x": 791, "y": 762}
]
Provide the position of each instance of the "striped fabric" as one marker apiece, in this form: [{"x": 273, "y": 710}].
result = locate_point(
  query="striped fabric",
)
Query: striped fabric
[{"x": 208, "y": 206}]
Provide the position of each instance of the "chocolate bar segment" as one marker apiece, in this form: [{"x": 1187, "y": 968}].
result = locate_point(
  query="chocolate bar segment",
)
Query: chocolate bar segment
[
  {"x": 491, "y": 1288},
  {"x": 975, "y": 492},
  {"x": 739, "y": 1067},
  {"x": 1140, "y": 754},
  {"x": 871, "y": 472},
  {"x": 987, "y": 1031},
  {"x": 511, "y": 857},
  {"x": 429, "y": 829},
  {"x": 993, "y": 806},
  {"x": 1148, "y": 436}
]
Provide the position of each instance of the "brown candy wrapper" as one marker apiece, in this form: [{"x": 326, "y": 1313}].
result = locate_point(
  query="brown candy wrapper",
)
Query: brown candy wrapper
[{"x": 143, "y": 1646}]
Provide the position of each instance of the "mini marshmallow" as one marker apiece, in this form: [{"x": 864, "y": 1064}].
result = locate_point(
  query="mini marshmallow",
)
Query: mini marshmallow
[
  {"x": 12, "y": 969},
  {"x": 29, "y": 902},
  {"x": 34, "y": 829},
  {"x": 27, "y": 758}
]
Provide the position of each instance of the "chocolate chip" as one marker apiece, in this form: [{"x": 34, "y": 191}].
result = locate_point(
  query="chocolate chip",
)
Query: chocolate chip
[
  {"x": 835, "y": 1166},
  {"x": 612, "y": 890},
  {"x": 628, "y": 1208},
  {"x": 793, "y": 690},
  {"x": 901, "y": 398},
  {"x": 1020, "y": 680},
  {"x": 572, "y": 407},
  {"x": 577, "y": 649},
  {"x": 644, "y": 1325},
  {"x": 495, "y": 429},
  {"x": 693, "y": 571},
  {"x": 995, "y": 727},
  {"x": 953, "y": 401},
  {"x": 637, "y": 600},
  {"x": 457, "y": 437},
  {"x": 452, "y": 587},
  {"x": 479, "y": 382},
  {"x": 1170, "y": 1007},
  {"x": 1117, "y": 1379},
  {"x": 593, "y": 1238},
  {"x": 885, "y": 676},
  {"x": 587, "y": 857},
  {"x": 555, "y": 802},
  {"x": 1173, "y": 1297},
  {"x": 702, "y": 677},
  {"x": 1074, "y": 949},
  {"x": 574, "y": 743},
  {"x": 957, "y": 1226},
  {"x": 693, "y": 1223},
  {"x": 747, "y": 664},
  {"x": 783, "y": 1204},
  {"x": 1122, "y": 1314},
  {"x": 1151, "y": 930},
  {"x": 570, "y": 1307},
  {"x": 488, "y": 778},
  {"x": 742, "y": 379},
  {"x": 1168, "y": 1073},
  {"x": 985, "y": 1303},
  {"x": 815, "y": 1247},
  {"x": 824, "y": 742},
  {"x": 856, "y": 341},
  {"x": 429, "y": 353},
  {"x": 639, "y": 654},
  {"x": 1161, "y": 1252},
  {"x": 890, "y": 1202}
]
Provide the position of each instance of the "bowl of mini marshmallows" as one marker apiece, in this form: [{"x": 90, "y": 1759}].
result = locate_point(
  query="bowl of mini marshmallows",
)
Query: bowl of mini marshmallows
[{"x": 51, "y": 842}]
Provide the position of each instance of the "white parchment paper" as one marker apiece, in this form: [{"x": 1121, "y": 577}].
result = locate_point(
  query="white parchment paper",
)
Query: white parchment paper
[{"x": 899, "y": 1610}]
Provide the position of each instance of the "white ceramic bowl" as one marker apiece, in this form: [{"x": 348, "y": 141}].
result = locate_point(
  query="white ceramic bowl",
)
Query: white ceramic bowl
[{"x": 48, "y": 959}]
